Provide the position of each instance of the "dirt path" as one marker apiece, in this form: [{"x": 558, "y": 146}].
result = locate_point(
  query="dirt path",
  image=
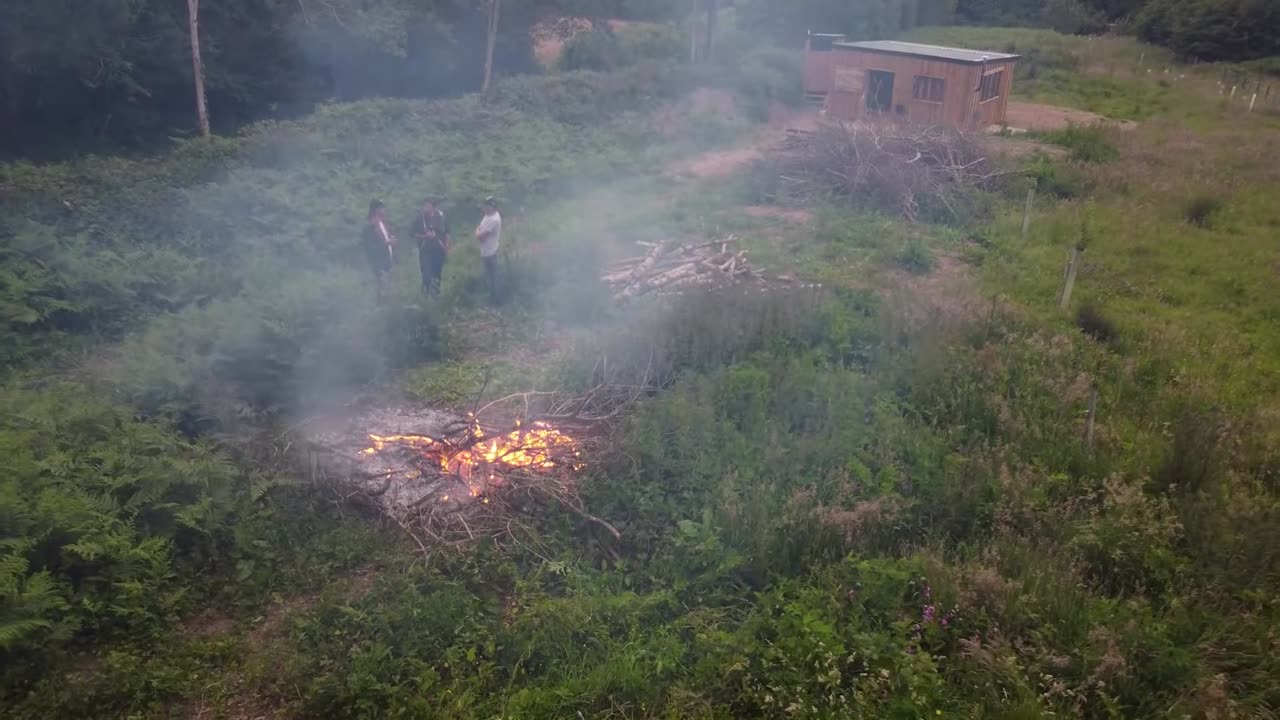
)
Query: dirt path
[{"x": 1036, "y": 116}]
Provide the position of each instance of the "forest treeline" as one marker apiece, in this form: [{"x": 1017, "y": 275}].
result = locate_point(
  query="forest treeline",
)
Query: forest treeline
[{"x": 81, "y": 75}]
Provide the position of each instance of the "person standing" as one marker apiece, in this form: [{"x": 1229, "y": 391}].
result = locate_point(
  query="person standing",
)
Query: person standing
[
  {"x": 431, "y": 230},
  {"x": 379, "y": 248},
  {"x": 489, "y": 233}
]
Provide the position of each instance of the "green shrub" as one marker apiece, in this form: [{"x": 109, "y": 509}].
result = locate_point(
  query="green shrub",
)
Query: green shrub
[
  {"x": 99, "y": 511},
  {"x": 1072, "y": 17},
  {"x": 642, "y": 42},
  {"x": 1094, "y": 323},
  {"x": 1085, "y": 143},
  {"x": 763, "y": 76},
  {"x": 1203, "y": 210},
  {"x": 915, "y": 258},
  {"x": 1264, "y": 66},
  {"x": 1057, "y": 180},
  {"x": 597, "y": 49}
]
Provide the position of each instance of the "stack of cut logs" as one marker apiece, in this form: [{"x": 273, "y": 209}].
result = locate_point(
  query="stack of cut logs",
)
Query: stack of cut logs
[{"x": 668, "y": 268}]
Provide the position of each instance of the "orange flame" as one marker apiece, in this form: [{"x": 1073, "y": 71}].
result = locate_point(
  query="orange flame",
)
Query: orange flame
[{"x": 539, "y": 447}]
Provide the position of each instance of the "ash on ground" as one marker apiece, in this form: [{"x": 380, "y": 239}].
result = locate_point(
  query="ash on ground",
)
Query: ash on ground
[{"x": 398, "y": 476}]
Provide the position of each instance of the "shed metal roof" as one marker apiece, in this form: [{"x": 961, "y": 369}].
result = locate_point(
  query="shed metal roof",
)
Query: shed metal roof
[{"x": 933, "y": 52}]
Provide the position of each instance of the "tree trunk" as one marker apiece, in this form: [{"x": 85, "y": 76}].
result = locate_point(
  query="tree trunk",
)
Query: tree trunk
[
  {"x": 713, "y": 15},
  {"x": 12, "y": 138},
  {"x": 495, "y": 7},
  {"x": 693, "y": 33},
  {"x": 197, "y": 67}
]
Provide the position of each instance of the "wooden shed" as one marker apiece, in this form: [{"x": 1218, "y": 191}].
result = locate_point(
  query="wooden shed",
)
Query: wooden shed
[
  {"x": 818, "y": 50},
  {"x": 920, "y": 84}
]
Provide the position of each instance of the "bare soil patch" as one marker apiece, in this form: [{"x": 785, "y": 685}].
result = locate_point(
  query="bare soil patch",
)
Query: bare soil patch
[
  {"x": 676, "y": 119},
  {"x": 947, "y": 295},
  {"x": 718, "y": 163},
  {"x": 1036, "y": 116},
  {"x": 1013, "y": 148},
  {"x": 785, "y": 117},
  {"x": 208, "y": 624},
  {"x": 797, "y": 216}
]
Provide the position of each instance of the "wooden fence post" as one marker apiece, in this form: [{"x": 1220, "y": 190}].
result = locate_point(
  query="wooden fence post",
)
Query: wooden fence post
[
  {"x": 1093, "y": 413},
  {"x": 1073, "y": 266},
  {"x": 1026, "y": 211}
]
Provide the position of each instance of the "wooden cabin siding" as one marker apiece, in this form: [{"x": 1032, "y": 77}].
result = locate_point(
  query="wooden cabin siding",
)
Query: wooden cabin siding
[
  {"x": 960, "y": 107},
  {"x": 817, "y": 71},
  {"x": 991, "y": 112}
]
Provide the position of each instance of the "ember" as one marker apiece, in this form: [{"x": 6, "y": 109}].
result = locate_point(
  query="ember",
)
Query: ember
[{"x": 539, "y": 447}]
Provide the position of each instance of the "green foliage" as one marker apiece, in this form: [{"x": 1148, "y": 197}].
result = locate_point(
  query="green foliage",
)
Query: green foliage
[
  {"x": 1202, "y": 210},
  {"x": 915, "y": 258},
  {"x": 1085, "y": 143},
  {"x": 249, "y": 248},
  {"x": 788, "y": 22},
  {"x": 1095, "y": 323},
  {"x": 763, "y": 76},
  {"x": 118, "y": 72},
  {"x": 1072, "y": 17},
  {"x": 1056, "y": 179},
  {"x": 596, "y": 49},
  {"x": 97, "y": 511},
  {"x": 1211, "y": 29},
  {"x": 603, "y": 48},
  {"x": 838, "y": 506}
]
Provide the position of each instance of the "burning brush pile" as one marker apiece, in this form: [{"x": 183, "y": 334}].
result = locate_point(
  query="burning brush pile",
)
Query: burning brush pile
[
  {"x": 450, "y": 480},
  {"x": 671, "y": 269},
  {"x": 884, "y": 167}
]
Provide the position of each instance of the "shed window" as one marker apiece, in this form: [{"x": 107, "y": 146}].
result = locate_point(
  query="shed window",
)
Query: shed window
[
  {"x": 991, "y": 83},
  {"x": 928, "y": 88}
]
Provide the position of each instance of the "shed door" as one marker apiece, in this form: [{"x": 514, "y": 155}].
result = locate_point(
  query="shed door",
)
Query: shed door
[{"x": 879, "y": 91}]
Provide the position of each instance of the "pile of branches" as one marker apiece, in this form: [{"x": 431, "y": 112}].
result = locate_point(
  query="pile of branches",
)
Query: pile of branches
[
  {"x": 496, "y": 503},
  {"x": 668, "y": 268},
  {"x": 887, "y": 167},
  {"x": 491, "y": 500}
]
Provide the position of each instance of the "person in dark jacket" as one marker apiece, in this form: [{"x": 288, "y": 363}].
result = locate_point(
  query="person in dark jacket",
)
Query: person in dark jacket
[
  {"x": 379, "y": 248},
  {"x": 431, "y": 231}
]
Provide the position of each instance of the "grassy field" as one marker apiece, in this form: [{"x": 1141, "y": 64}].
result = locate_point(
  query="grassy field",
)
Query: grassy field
[{"x": 882, "y": 505}]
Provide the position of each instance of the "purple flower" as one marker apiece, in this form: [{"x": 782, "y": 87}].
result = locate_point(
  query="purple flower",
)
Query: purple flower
[
  {"x": 928, "y": 613},
  {"x": 928, "y": 592},
  {"x": 945, "y": 622}
]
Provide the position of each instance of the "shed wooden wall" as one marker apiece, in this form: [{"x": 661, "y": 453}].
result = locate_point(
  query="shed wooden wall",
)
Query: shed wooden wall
[
  {"x": 960, "y": 106},
  {"x": 817, "y": 70},
  {"x": 817, "y": 64},
  {"x": 993, "y": 111}
]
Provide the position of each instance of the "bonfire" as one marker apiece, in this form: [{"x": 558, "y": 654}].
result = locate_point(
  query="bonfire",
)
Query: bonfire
[{"x": 450, "y": 481}]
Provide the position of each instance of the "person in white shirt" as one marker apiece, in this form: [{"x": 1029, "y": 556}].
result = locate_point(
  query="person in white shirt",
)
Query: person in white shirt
[{"x": 489, "y": 233}]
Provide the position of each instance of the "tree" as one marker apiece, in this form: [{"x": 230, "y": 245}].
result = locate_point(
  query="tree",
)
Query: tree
[
  {"x": 495, "y": 8},
  {"x": 1216, "y": 30},
  {"x": 713, "y": 17},
  {"x": 197, "y": 68},
  {"x": 1072, "y": 17}
]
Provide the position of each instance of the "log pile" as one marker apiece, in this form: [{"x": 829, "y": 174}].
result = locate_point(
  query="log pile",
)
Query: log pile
[
  {"x": 884, "y": 167},
  {"x": 669, "y": 268}
]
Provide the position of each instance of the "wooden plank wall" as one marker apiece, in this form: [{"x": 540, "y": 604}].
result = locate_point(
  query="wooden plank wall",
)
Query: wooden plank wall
[
  {"x": 960, "y": 106},
  {"x": 817, "y": 71},
  {"x": 992, "y": 112}
]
